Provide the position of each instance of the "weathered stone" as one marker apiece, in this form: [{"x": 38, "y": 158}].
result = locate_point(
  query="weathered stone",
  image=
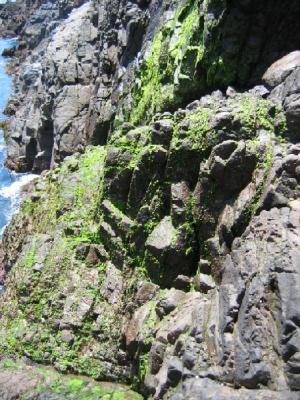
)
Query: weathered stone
[
  {"x": 206, "y": 195},
  {"x": 19, "y": 380},
  {"x": 280, "y": 70},
  {"x": 195, "y": 388},
  {"x": 146, "y": 292},
  {"x": 180, "y": 195},
  {"x": 134, "y": 334},
  {"x": 204, "y": 266},
  {"x": 174, "y": 371},
  {"x": 203, "y": 283},
  {"x": 67, "y": 336},
  {"x": 182, "y": 282},
  {"x": 169, "y": 302},
  {"x": 161, "y": 237},
  {"x": 157, "y": 353}
]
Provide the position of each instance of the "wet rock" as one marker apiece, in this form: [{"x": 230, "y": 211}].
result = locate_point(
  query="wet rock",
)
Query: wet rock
[{"x": 9, "y": 52}]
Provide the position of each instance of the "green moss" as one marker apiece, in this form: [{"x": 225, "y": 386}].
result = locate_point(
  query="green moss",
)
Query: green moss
[
  {"x": 74, "y": 385},
  {"x": 30, "y": 257},
  {"x": 65, "y": 216},
  {"x": 143, "y": 365},
  {"x": 264, "y": 166},
  {"x": 79, "y": 389},
  {"x": 171, "y": 62},
  {"x": 3, "y": 124},
  {"x": 255, "y": 113},
  {"x": 199, "y": 127},
  {"x": 46, "y": 382},
  {"x": 72, "y": 198}
]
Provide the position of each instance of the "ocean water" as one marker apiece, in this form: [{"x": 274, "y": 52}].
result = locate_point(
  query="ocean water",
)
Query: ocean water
[{"x": 10, "y": 182}]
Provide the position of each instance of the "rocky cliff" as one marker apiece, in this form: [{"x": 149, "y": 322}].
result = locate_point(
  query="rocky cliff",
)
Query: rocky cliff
[{"x": 162, "y": 248}]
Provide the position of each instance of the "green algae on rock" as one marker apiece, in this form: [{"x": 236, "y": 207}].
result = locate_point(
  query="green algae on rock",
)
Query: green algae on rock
[
  {"x": 167, "y": 258},
  {"x": 112, "y": 232},
  {"x": 32, "y": 382}
]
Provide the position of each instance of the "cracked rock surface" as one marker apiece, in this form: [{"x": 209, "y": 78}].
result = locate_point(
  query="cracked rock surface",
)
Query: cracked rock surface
[{"x": 167, "y": 254}]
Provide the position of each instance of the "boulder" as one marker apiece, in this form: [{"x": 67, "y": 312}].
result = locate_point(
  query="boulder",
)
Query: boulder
[
  {"x": 281, "y": 69},
  {"x": 161, "y": 237}
]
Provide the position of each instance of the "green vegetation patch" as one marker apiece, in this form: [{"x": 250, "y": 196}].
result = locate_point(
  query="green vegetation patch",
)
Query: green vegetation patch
[
  {"x": 63, "y": 211},
  {"x": 47, "y": 382},
  {"x": 170, "y": 65}
]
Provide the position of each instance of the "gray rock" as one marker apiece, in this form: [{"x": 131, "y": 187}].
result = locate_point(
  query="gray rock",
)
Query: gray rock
[
  {"x": 146, "y": 292},
  {"x": 206, "y": 389},
  {"x": 203, "y": 283},
  {"x": 169, "y": 302},
  {"x": 281, "y": 69},
  {"x": 67, "y": 336},
  {"x": 205, "y": 266},
  {"x": 175, "y": 368},
  {"x": 161, "y": 237},
  {"x": 182, "y": 282}
]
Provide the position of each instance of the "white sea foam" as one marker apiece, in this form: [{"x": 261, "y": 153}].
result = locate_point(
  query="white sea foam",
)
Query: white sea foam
[
  {"x": 15, "y": 188},
  {"x": 12, "y": 192}
]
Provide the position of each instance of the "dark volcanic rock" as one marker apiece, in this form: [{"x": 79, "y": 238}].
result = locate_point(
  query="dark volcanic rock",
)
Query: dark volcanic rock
[
  {"x": 104, "y": 63},
  {"x": 168, "y": 255}
]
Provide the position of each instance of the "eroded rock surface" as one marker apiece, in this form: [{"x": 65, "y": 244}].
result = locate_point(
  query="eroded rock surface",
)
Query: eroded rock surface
[
  {"x": 166, "y": 257},
  {"x": 171, "y": 254},
  {"x": 27, "y": 381},
  {"x": 117, "y": 61}
]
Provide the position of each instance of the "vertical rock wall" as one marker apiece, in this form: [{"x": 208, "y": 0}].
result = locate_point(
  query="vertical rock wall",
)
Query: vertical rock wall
[
  {"x": 132, "y": 59},
  {"x": 167, "y": 256}
]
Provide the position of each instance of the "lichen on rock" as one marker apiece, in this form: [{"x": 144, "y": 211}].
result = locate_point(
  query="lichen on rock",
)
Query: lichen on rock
[{"x": 166, "y": 254}]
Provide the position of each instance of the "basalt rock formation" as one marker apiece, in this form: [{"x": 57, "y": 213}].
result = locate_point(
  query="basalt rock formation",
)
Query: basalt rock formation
[
  {"x": 115, "y": 61},
  {"x": 162, "y": 248}
]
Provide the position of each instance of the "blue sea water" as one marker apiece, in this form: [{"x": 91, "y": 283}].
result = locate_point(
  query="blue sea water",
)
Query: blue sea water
[{"x": 10, "y": 182}]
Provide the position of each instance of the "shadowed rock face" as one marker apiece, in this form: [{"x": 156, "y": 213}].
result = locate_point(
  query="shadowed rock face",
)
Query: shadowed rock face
[{"x": 168, "y": 255}]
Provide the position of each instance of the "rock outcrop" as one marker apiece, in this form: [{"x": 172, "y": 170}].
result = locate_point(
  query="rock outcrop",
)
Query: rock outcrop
[
  {"x": 124, "y": 61},
  {"x": 166, "y": 255},
  {"x": 13, "y": 16},
  {"x": 28, "y": 381}
]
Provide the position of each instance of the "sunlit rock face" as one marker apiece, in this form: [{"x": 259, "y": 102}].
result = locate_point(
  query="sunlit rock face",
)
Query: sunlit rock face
[{"x": 166, "y": 255}]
